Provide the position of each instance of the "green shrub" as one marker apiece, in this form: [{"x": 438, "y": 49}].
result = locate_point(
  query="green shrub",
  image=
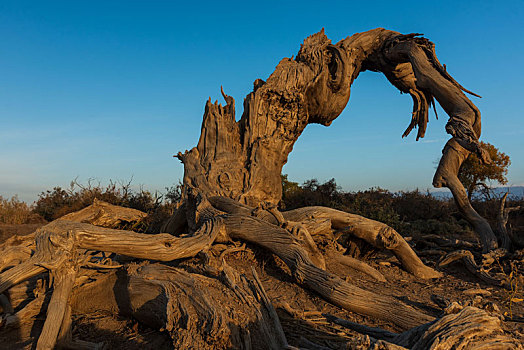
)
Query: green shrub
[{"x": 410, "y": 212}]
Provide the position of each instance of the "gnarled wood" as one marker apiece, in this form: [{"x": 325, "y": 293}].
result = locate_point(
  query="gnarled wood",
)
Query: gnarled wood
[
  {"x": 459, "y": 328},
  {"x": 375, "y": 233},
  {"x": 502, "y": 221},
  {"x": 64, "y": 279},
  {"x": 329, "y": 286},
  {"x": 359, "y": 266},
  {"x": 243, "y": 159},
  {"x": 104, "y": 214},
  {"x": 196, "y": 311},
  {"x": 467, "y": 257}
]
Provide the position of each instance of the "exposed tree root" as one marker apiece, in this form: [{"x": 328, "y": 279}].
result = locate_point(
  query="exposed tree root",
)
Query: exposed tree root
[
  {"x": 64, "y": 278},
  {"x": 358, "y": 265},
  {"x": 61, "y": 248},
  {"x": 459, "y": 328},
  {"x": 469, "y": 261},
  {"x": 331, "y": 287},
  {"x": 373, "y": 232},
  {"x": 264, "y": 299}
]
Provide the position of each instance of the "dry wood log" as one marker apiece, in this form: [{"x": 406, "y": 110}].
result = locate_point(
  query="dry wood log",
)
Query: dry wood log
[
  {"x": 60, "y": 243},
  {"x": 373, "y": 232},
  {"x": 61, "y": 238},
  {"x": 18, "y": 240},
  {"x": 329, "y": 286},
  {"x": 197, "y": 311},
  {"x": 358, "y": 265},
  {"x": 13, "y": 256},
  {"x": 459, "y": 328},
  {"x": 16, "y": 249},
  {"x": 64, "y": 279},
  {"x": 291, "y": 251},
  {"x": 502, "y": 221},
  {"x": 105, "y": 214},
  {"x": 469, "y": 261},
  {"x": 270, "y": 214},
  {"x": 264, "y": 299},
  {"x": 57, "y": 245}
]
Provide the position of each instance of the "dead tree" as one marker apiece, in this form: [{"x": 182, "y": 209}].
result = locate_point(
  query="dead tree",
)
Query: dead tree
[
  {"x": 232, "y": 185},
  {"x": 242, "y": 160}
]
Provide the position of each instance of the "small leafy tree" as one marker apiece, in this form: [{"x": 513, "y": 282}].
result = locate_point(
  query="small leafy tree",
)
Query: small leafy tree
[
  {"x": 289, "y": 189},
  {"x": 474, "y": 174}
]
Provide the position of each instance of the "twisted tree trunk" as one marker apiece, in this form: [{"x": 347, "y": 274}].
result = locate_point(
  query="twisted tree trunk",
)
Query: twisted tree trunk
[{"x": 243, "y": 160}]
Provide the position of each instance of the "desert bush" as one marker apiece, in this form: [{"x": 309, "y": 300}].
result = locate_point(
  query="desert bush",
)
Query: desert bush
[
  {"x": 415, "y": 205},
  {"x": 310, "y": 193},
  {"x": 57, "y": 202},
  {"x": 375, "y": 203},
  {"x": 410, "y": 213},
  {"x": 15, "y": 212}
]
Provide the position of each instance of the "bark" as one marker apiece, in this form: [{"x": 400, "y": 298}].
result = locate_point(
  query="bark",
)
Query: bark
[
  {"x": 193, "y": 309},
  {"x": 64, "y": 280},
  {"x": 459, "y": 328},
  {"x": 331, "y": 287},
  {"x": 502, "y": 221},
  {"x": 104, "y": 214},
  {"x": 373, "y": 232},
  {"x": 359, "y": 266},
  {"x": 467, "y": 257}
]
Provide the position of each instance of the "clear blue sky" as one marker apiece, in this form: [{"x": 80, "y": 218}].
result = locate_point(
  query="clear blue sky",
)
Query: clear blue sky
[{"x": 112, "y": 89}]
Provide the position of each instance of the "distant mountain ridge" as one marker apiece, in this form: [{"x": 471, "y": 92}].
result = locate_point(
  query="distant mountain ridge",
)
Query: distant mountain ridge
[{"x": 516, "y": 192}]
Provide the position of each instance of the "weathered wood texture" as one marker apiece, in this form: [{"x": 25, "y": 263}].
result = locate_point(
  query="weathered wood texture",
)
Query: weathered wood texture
[
  {"x": 198, "y": 312},
  {"x": 62, "y": 247},
  {"x": 507, "y": 239},
  {"x": 459, "y": 328},
  {"x": 373, "y": 232}
]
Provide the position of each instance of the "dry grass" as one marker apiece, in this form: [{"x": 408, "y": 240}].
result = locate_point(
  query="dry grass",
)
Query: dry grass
[{"x": 15, "y": 212}]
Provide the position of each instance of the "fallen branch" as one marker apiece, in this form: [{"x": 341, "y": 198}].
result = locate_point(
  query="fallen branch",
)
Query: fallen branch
[
  {"x": 358, "y": 265},
  {"x": 469, "y": 261},
  {"x": 459, "y": 328}
]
